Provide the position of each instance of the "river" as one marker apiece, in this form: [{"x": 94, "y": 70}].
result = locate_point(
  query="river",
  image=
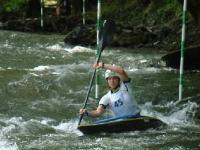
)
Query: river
[{"x": 43, "y": 84}]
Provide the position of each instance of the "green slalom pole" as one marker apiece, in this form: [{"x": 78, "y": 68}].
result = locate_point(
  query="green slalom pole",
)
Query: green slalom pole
[
  {"x": 98, "y": 47},
  {"x": 83, "y": 11},
  {"x": 182, "y": 50},
  {"x": 41, "y": 14}
]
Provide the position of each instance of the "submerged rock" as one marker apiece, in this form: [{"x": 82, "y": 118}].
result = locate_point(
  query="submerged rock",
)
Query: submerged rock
[
  {"x": 191, "y": 58},
  {"x": 124, "y": 36},
  {"x": 82, "y": 35},
  {"x": 197, "y": 113}
]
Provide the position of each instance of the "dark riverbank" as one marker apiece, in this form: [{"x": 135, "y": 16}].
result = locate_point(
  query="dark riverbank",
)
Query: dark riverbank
[
  {"x": 139, "y": 24},
  {"x": 163, "y": 37}
]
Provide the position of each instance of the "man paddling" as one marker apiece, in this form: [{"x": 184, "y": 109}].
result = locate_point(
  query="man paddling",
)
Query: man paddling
[{"x": 119, "y": 98}]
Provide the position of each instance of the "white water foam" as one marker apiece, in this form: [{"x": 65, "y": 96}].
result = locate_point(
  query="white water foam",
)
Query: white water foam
[
  {"x": 78, "y": 49},
  {"x": 178, "y": 117},
  {"x": 69, "y": 127},
  {"x": 183, "y": 116},
  {"x": 145, "y": 70},
  {"x": 58, "y": 69},
  {"x": 41, "y": 68},
  {"x": 7, "y": 45},
  {"x": 6, "y": 145},
  {"x": 10, "y": 124},
  {"x": 46, "y": 70},
  {"x": 55, "y": 47},
  {"x": 17, "y": 122}
]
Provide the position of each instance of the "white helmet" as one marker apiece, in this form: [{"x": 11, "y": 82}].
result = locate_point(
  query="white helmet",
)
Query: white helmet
[{"x": 109, "y": 73}]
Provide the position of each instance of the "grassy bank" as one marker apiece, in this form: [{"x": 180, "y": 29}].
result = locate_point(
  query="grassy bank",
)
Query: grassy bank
[{"x": 148, "y": 12}]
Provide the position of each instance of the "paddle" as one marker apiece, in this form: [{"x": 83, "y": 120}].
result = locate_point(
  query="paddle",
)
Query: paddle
[{"x": 105, "y": 38}]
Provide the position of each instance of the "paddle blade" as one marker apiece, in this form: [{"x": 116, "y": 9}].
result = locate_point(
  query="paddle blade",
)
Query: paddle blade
[{"x": 106, "y": 33}]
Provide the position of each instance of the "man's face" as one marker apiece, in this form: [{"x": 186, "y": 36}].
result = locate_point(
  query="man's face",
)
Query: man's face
[{"x": 113, "y": 82}]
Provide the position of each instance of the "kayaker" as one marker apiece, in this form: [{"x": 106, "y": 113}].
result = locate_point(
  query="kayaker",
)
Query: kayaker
[{"x": 119, "y": 98}]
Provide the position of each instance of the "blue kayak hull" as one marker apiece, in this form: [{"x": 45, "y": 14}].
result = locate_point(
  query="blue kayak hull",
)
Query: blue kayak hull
[{"x": 138, "y": 123}]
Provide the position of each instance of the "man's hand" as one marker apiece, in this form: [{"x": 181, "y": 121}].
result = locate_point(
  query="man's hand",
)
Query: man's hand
[
  {"x": 99, "y": 65},
  {"x": 83, "y": 111}
]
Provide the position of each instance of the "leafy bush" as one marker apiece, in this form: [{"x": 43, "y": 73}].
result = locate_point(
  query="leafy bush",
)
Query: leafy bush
[{"x": 9, "y": 6}]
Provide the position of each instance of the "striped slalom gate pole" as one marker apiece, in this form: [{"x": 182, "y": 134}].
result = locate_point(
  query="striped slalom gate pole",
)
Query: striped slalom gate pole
[
  {"x": 83, "y": 11},
  {"x": 41, "y": 13},
  {"x": 182, "y": 50},
  {"x": 98, "y": 47}
]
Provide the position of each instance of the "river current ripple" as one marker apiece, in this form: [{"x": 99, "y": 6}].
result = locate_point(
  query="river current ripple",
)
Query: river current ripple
[{"x": 43, "y": 83}]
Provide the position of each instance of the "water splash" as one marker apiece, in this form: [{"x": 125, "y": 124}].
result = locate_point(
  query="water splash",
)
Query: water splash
[
  {"x": 69, "y": 127},
  {"x": 174, "y": 116},
  {"x": 8, "y": 126},
  {"x": 78, "y": 49},
  {"x": 6, "y": 145}
]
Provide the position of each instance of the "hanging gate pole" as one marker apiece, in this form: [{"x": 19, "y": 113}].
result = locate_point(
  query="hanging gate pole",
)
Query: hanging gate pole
[
  {"x": 83, "y": 12},
  {"x": 98, "y": 49},
  {"x": 41, "y": 13},
  {"x": 182, "y": 50}
]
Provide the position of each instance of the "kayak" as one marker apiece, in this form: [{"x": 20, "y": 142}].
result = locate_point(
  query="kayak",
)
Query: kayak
[{"x": 121, "y": 124}]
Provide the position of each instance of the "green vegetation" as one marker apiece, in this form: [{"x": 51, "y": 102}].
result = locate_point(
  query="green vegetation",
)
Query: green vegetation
[
  {"x": 143, "y": 11},
  {"x": 133, "y": 12},
  {"x": 12, "y": 6}
]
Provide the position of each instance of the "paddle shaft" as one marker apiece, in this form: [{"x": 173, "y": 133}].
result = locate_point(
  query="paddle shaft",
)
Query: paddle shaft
[
  {"x": 108, "y": 28},
  {"x": 90, "y": 86}
]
